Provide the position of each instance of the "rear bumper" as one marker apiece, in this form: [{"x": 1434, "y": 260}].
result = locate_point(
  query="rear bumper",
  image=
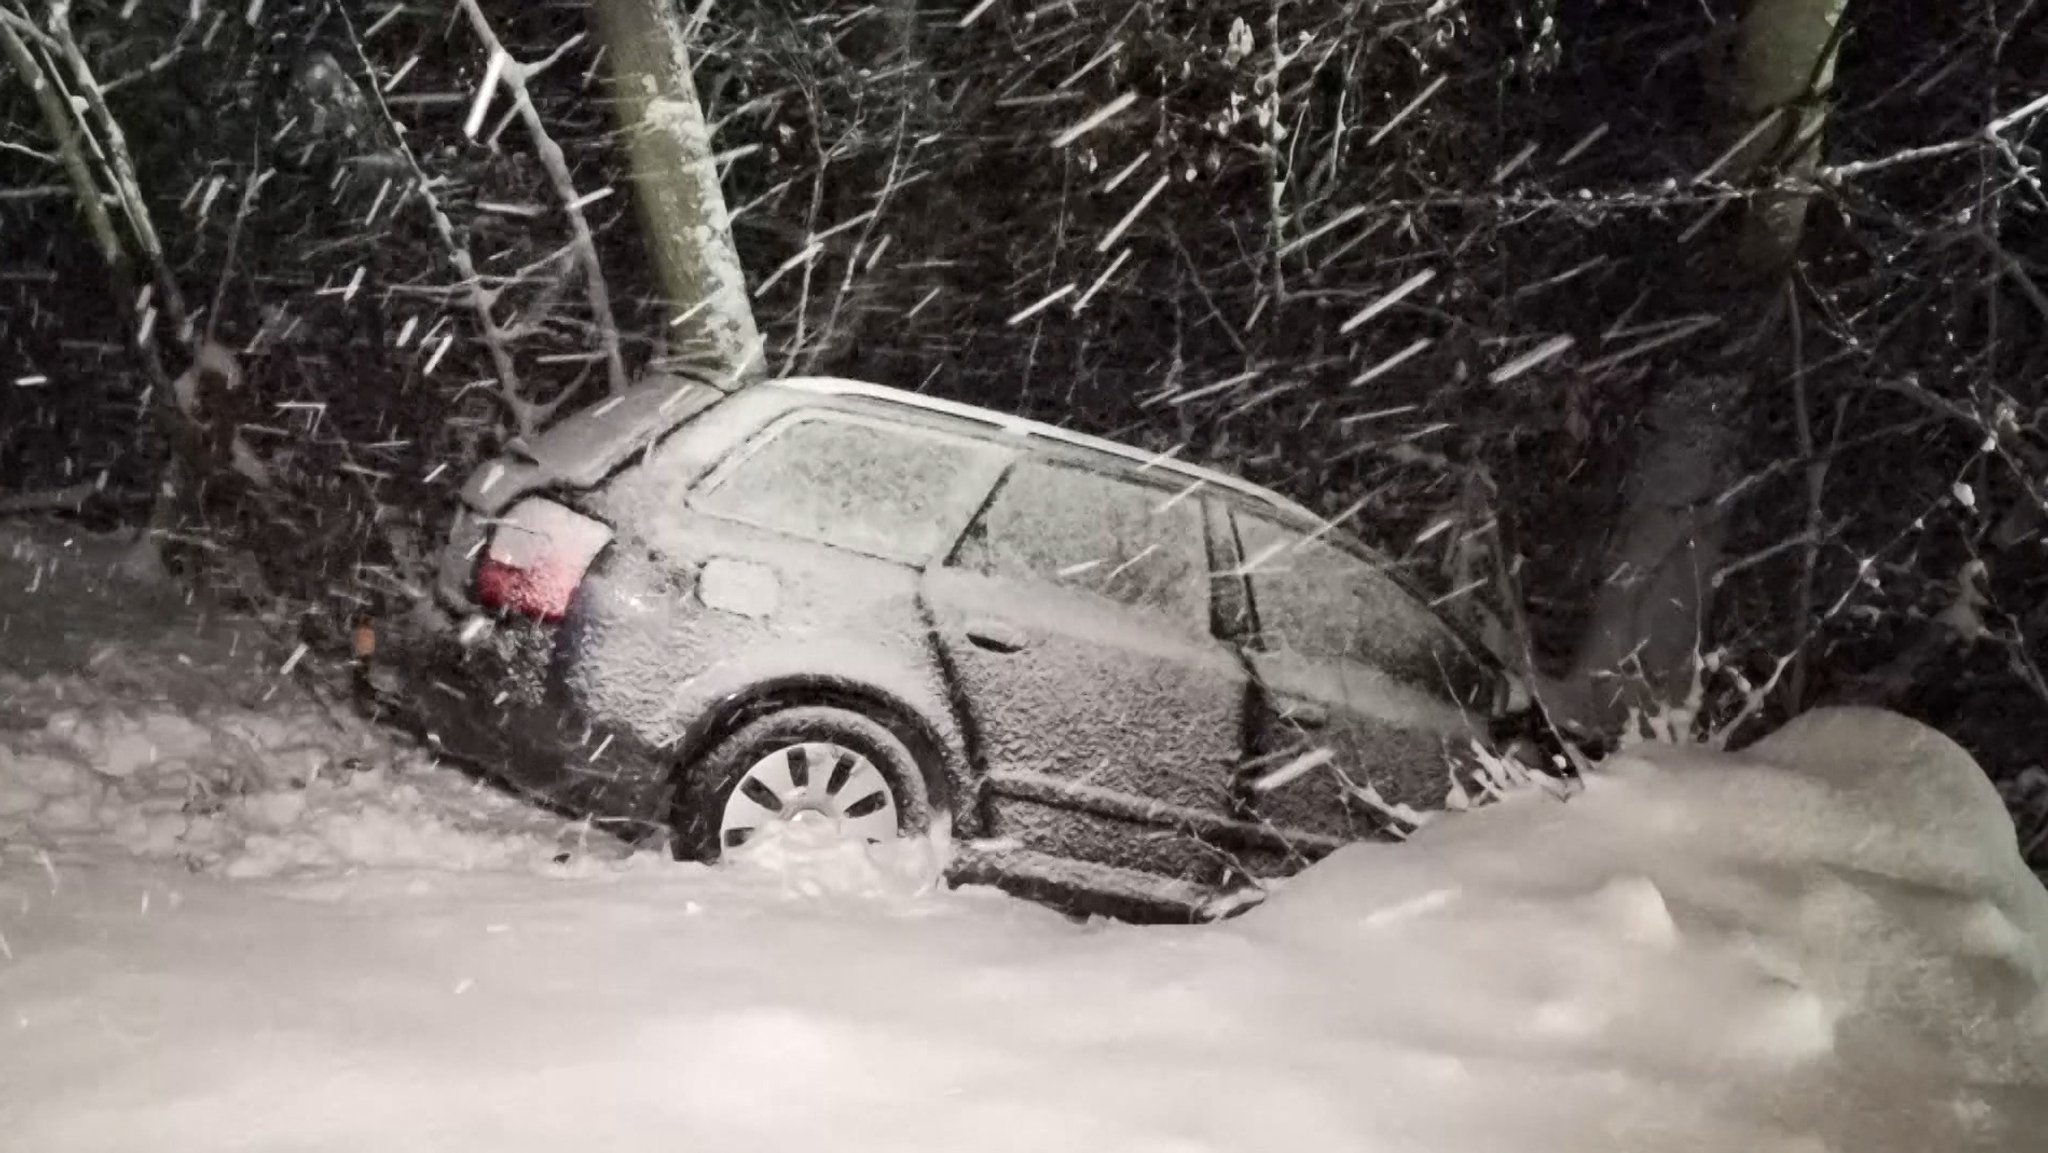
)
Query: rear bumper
[{"x": 506, "y": 712}]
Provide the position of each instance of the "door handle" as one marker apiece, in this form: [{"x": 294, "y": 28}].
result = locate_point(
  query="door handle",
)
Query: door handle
[
  {"x": 1305, "y": 714},
  {"x": 996, "y": 637}
]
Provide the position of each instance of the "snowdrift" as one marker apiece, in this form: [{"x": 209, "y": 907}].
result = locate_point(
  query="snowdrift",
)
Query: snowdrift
[{"x": 230, "y": 920}]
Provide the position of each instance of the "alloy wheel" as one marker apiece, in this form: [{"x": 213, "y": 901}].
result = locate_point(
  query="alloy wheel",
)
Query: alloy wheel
[{"x": 815, "y": 782}]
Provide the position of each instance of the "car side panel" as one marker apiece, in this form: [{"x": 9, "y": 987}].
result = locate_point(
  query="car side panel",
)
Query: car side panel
[
  {"x": 662, "y": 619},
  {"x": 1095, "y": 703},
  {"x": 662, "y": 648},
  {"x": 694, "y": 611}
]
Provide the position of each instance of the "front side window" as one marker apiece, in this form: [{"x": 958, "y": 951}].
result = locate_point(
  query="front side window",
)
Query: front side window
[
  {"x": 881, "y": 489},
  {"x": 1319, "y": 599},
  {"x": 1130, "y": 543}
]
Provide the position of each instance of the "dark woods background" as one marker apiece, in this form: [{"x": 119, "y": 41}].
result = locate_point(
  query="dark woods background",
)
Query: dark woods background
[{"x": 1189, "y": 273}]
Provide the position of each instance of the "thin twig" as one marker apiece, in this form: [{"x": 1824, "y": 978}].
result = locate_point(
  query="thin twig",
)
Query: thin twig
[
  {"x": 1816, "y": 491},
  {"x": 803, "y": 302},
  {"x": 524, "y": 414},
  {"x": 513, "y": 77},
  {"x": 853, "y": 262},
  {"x": 252, "y": 184}
]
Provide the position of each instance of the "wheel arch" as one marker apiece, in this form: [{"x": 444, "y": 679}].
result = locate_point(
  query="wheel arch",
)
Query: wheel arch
[{"x": 940, "y": 761}]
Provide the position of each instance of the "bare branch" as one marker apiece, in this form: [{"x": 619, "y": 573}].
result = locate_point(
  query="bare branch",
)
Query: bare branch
[
  {"x": 58, "y": 121},
  {"x": 121, "y": 165},
  {"x": 25, "y": 150},
  {"x": 1992, "y": 132},
  {"x": 509, "y": 391},
  {"x": 513, "y": 76}
]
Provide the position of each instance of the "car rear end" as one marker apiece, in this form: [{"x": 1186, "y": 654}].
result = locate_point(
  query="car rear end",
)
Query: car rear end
[{"x": 488, "y": 683}]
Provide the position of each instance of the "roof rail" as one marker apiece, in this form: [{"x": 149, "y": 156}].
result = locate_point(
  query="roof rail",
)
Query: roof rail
[{"x": 1019, "y": 426}]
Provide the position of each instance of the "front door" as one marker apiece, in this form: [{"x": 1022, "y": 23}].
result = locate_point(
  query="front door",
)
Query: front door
[
  {"x": 1074, "y": 617},
  {"x": 1362, "y": 691}
]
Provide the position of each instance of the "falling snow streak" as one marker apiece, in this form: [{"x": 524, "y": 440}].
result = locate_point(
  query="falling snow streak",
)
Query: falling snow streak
[
  {"x": 1043, "y": 303},
  {"x": 1408, "y": 110},
  {"x": 1093, "y": 63},
  {"x": 1095, "y": 120},
  {"x": 1683, "y": 330},
  {"x": 482, "y": 105},
  {"x": 1543, "y": 353},
  {"x": 1377, "y": 415},
  {"x": 1391, "y": 363},
  {"x": 975, "y": 13},
  {"x": 1584, "y": 143},
  {"x": 1221, "y": 386},
  {"x": 1294, "y": 770},
  {"x": 1131, "y": 217},
  {"x": 1400, "y": 293},
  {"x": 1514, "y": 164},
  {"x": 1303, "y": 241},
  {"x": 809, "y": 253},
  {"x": 1124, "y": 173},
  {"x": 1096, "y": 285}
]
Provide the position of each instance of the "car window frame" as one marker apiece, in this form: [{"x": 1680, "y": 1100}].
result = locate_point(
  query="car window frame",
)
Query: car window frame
[
  {"x": 997, "y": 461},
  {"x": 1253, "y": 635},
  {"x": 1204, "y": 624}
]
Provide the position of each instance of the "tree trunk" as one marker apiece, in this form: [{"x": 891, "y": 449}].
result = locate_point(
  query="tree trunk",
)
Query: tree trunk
[
  {"x": 174, "y": 482},
  {"x": 1652, "y": 609},
  {"x": 83, "y": 186},
  {"x": 1785, "y": 70},
  {"x": 1650, "y": 614},
  {"x": 676, "y": 187}
]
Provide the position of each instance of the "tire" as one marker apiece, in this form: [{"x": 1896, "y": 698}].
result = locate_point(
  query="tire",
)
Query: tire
[{"x": 705, "y": 795}]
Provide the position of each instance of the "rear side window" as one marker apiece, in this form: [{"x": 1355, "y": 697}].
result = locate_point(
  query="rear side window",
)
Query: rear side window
[
  {"x": 1133, "y": 544},
  {"x": 882, "y": 489},
  {"x": 1320, "y": 600}
]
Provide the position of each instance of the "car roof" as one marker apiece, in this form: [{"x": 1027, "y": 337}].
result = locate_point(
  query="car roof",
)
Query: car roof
[
  {"x": 1304, "y": 520},
  {"x": 1020, "y": 427}
]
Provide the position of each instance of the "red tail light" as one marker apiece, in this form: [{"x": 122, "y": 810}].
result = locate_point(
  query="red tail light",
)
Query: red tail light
[{"x": 536, "y": 558}]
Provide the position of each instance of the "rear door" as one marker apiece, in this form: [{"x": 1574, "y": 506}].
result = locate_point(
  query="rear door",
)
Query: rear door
[
  {"x": 1360, "y": 687},
  {"x": 1074, "y": 617}
]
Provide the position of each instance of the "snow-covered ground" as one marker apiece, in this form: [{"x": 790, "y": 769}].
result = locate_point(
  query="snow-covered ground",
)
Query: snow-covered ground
[{"x": 233, "y": 918}]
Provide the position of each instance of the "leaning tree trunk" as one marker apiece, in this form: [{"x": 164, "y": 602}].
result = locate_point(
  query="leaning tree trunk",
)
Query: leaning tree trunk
[
  {"x": 1784, "y": 72},
  {"x": 675, "y": 181},
  {"x": 1650, "y": 614},
  {"x": 64, "y": 119}
]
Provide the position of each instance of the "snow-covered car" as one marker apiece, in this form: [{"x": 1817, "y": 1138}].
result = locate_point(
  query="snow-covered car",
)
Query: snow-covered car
[{"x": 1123, "y": 682}]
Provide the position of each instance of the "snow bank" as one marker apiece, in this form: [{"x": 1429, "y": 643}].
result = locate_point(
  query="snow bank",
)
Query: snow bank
[
  {"x": 137, "y": 720},
  {"x": 249, "y": 794},
  {"x": 1826, "y": 945},
  {"x": 298, "y": 789},
  {"x": 1832, "y": 934},
  {"x": 230, "y": 919}
]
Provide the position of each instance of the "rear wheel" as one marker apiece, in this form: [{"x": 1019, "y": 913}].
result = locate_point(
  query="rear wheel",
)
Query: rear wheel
[{"x": 816, "y": 765}]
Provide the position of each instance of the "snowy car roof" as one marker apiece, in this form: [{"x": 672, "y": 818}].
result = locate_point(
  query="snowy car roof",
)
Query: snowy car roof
[
  {"x": 1021, "y": 427},
  {"x": 586, "y": 446}
]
